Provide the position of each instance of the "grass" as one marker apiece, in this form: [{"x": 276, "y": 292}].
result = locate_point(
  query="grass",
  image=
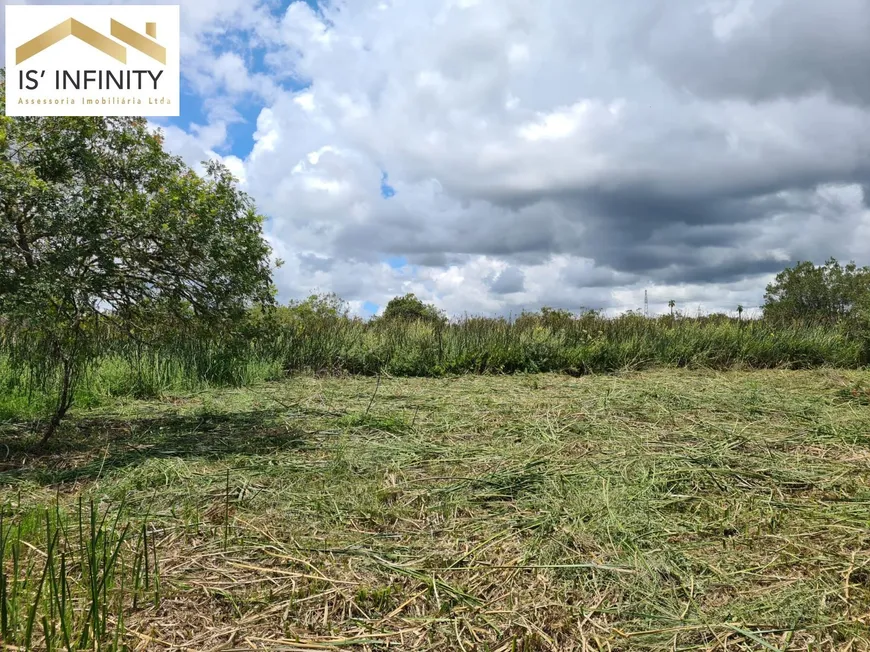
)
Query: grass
[
  {"x": 535, "y": 343},
  {"x": 304, "y": 342},
  {"x": 654, "y": 510},
  {"x": 62, "y": 576}
]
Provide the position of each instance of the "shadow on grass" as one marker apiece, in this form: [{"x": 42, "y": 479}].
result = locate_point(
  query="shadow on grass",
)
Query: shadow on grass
[{"x": 85, "y": 448}]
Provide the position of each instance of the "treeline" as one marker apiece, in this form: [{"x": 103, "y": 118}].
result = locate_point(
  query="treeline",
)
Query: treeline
[
  {"x": 312, "y": 337},
  {"x": 813, "y": 316}
]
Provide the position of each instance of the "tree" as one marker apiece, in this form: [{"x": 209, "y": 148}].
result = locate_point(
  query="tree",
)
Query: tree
[
  {"x": 99, "y": 227},
  {"x": 824, "y": 293},
  {"x": 319, "y": 306},
  {"x": 671, "y": 305},
  {"x": 316, "y": 309},
  {"x": 410, "y": 308},
  {"x": 739, "y": 312}
]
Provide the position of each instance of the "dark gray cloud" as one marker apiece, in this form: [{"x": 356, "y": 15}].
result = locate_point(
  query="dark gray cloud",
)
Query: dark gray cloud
[
  {"x": 733, "y": 268},
  {"x": 583, "y": 276},
  {"x": 766, "y": 50},
  {"x": 508, "y": 281},
  {"x": 434, "y": 259},
  {"x": 315, "y": 263}
]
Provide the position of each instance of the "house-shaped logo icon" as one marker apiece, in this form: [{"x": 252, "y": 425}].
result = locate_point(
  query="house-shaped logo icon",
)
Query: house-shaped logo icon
[
  {"x": 92, "y": 59},
  {"x": 72, "y": 27}
]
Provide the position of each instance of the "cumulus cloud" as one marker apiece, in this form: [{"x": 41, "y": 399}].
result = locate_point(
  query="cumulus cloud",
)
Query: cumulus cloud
[{"x": 563, "y": 152}]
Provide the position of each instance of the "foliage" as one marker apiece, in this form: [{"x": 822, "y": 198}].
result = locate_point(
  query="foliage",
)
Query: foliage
[
  {"x": 322, "y": 341},
  {"x": 410, "y": 308},
  {"x": 67, "y": 576},
  {"x": 555, "y": 318},
  {"x": 316, "y": 306},
  {"x": 825, "y": 293},
  {"x": 100, "y": 228}
]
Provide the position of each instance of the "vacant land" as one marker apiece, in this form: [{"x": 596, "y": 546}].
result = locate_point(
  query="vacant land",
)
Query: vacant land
[{"x": 655, "y": 510}]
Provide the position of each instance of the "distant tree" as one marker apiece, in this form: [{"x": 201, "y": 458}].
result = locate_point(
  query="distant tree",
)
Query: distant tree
[
  {"x": 556, "y": 318},
  {"x": 671, "y": 305},
  {"x": 714, "y": 318},
  {"x": 410, "y": 308},
  {"x": 824, "y": 293},
  {"x": 739, "y": 312},
  {"x": 319, "y": 306},
  {"x": 98, "y": 224}
]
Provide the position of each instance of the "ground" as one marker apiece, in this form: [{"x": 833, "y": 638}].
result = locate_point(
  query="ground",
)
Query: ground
[{"x": 656, "y": 510}]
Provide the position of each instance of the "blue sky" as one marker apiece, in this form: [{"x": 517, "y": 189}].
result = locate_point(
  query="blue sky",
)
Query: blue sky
[{"x": 241, "y": 132}]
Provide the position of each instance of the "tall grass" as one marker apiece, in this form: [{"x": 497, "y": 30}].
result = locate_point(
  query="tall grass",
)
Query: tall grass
[
  {"x": 540, "y": 343},
  {"x": 68, "y": 577},
  {"x": 551, "y": 341}
]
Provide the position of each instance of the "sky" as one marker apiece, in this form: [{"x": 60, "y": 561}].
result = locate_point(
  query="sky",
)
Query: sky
[{"x": 499, "y": 155}]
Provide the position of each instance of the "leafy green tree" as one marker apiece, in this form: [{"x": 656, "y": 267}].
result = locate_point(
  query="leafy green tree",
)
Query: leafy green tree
[
  {"x": 319, "y": 306},
  {"x": 316, "y": 311},
  {"x": 825, "y": 293},
  {"x": 410, "y": 308},
  {"x": 100, "y": 227}
]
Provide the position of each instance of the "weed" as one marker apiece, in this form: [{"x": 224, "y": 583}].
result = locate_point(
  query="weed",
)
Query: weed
[{"x": 65, "y": 577}]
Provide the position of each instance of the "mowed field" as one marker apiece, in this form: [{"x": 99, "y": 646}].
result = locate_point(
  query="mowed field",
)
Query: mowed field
[{"x": 658, "y": 510}]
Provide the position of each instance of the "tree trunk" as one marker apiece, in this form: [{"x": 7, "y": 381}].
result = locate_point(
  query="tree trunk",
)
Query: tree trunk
[{"x": 64, "y": 402}]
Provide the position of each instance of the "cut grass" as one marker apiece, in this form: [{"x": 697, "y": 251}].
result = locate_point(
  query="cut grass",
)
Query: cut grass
[{"x": 657, "y": 510}]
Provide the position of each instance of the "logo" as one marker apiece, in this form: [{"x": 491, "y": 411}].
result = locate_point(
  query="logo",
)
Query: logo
[{"x": 79, "y": 60}]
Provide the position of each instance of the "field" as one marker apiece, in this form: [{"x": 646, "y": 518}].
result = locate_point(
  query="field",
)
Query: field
[{"x": 654, "y": 510}]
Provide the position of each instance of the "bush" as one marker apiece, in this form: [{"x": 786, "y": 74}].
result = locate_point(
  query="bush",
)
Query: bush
[{"x": 410, "y": 308}]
